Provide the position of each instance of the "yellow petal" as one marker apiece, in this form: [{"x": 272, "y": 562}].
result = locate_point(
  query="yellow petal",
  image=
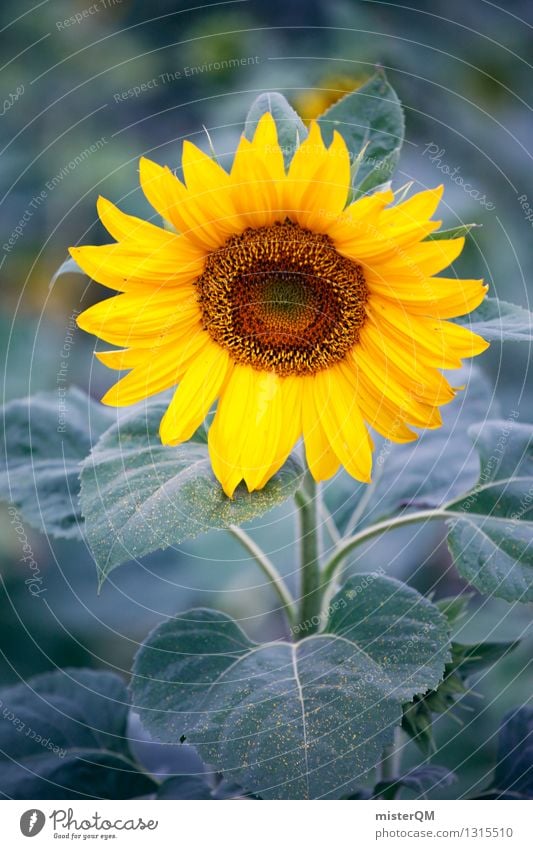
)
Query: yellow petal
[
  {"x": 322, "y": 461},
  {"x": 155, "y": 183},
  {"x": 382, "y": 374},
  {"x": 422, "y": 259},
  {"x": 227, "y": 429},
  {"x": 431, "y": 296},
  {"x": 291, "y": 428},
  {"x": 208, "y": 194},
  {"x": 343, "y": 227},
  {"x": 195, "y": 394},
  {"x": 425, "y": 384},
  {"x": 343, "y": 423},
  {"x": 416, "y": 209},
  {"x": 129, "y": 228},
  {"x": 128, "y": 267},
  {"x": 380, "y": 413},
  {"x": 257, "y": 176},
  {"x": 318, "y": 181},
  {"x": 161, "y": 367},
  {"x": 445, "y": 344},
  {"x": 121, "y": 360},
  {"x": 138, "y": 320}
]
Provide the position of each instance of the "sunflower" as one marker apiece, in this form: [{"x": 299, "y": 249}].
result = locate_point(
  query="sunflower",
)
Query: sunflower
[{"x": 302, "y": 315}]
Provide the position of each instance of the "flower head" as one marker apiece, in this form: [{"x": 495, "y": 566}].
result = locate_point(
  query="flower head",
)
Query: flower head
[{"x": 302, "y": 315}]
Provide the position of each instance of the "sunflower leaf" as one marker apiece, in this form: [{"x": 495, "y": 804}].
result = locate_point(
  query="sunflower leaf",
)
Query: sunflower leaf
[
  {"x": 64, "y": 733},
  {"x": 138, "y": 495},
  {"x": 46, "y": 438},
  {"x": 401, "y": 630},
  {"x": 490, "y": 531},
  {"x": 291, "y": 720},
  {"x": 513, "y": 776},
  {"x": 454, "y": 232},
  {"x": 500, "y": 321},
  {"x": 69, "y": 266},
  {"x": 291, "y": 129},
  {"x": 372, "y": 118}
]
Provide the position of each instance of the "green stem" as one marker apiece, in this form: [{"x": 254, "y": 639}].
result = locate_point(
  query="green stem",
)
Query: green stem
[
  {"x": 390, "y": 762},
  {"x": 270, "y": 571},
  {"x": 390, "y": 765},
  {"x": 335, "y": 562},
  {"x": 307, "y": 501}
]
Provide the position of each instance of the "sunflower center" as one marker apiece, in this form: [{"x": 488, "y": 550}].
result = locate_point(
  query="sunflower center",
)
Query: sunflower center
[{"x": 281, "y": 298}]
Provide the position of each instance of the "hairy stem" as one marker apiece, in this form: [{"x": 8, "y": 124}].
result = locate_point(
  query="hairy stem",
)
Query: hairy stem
[
  {"x": 269, "y": 570},
  {"x": 307, "y": 500},
  {"x": 391, "y": 759}
]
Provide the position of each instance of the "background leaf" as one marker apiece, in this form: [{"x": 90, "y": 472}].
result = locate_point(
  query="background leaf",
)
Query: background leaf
[
  {"x": 40, "y": 465},
  {"x": 453, "y": 232},
  {"x": 70, "y": 266},
  {"x": 291, "y": 129},
  {"x": 63, "y": 735},
  {"x": 513, "y": 776},
  {"x": 420, "y": 780},
  {"x": 372, "y": 116},
  {"x": 138, "y": 495},
  {"x": 499, "y": 321},
  {"x": 491, "y": 528},
  {"x": 466, "y": 660}
]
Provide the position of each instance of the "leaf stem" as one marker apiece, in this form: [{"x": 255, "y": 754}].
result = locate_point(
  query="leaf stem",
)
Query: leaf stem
[
  {"x": 391, "y": 758},
  {"x": 269, "y": 570},
  {"x": 307, "y": 500},
  {"x": 335, "y": 562}
]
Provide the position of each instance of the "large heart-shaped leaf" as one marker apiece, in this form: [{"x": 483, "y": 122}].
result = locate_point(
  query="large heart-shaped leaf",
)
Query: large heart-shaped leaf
[
  {"x": 371, "y": 118},
  {"x": 500, "y": 321},
  {"x": 290, "y": 127},
  {"x": 138, "y": 495},
  {"x": 46, "y": 438},
  {"x": 63, "y": 735},
  {"x": 401, "y": 630},
  {"x": 289, "y": 720}
]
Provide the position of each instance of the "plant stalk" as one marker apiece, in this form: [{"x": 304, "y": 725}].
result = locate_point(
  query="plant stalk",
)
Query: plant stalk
[
  {"x": 269, "y": 570},
  {"x": 307, "y": 500}
]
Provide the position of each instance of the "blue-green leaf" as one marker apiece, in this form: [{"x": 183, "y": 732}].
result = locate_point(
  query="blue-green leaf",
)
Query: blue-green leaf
[
  {"x": 401, "y": 630},
  {"x": 293, "y": 720},
  {"x": 286, "y": 720},
  {"x": 63, "y": 735},
  {"x": 46, "y": 438},
  {"x": 499, "y": 321},
  {"x": 370, "y": 118},
  {"x": 491, "y": 527},
  {"x": 290, "y": 127},
  {"x": 138, "y": 495},
  {"x": 69, "y": 266}
]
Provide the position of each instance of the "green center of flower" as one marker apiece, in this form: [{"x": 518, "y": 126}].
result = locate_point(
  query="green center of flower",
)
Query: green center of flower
[{"x": 282, "y": 299}]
